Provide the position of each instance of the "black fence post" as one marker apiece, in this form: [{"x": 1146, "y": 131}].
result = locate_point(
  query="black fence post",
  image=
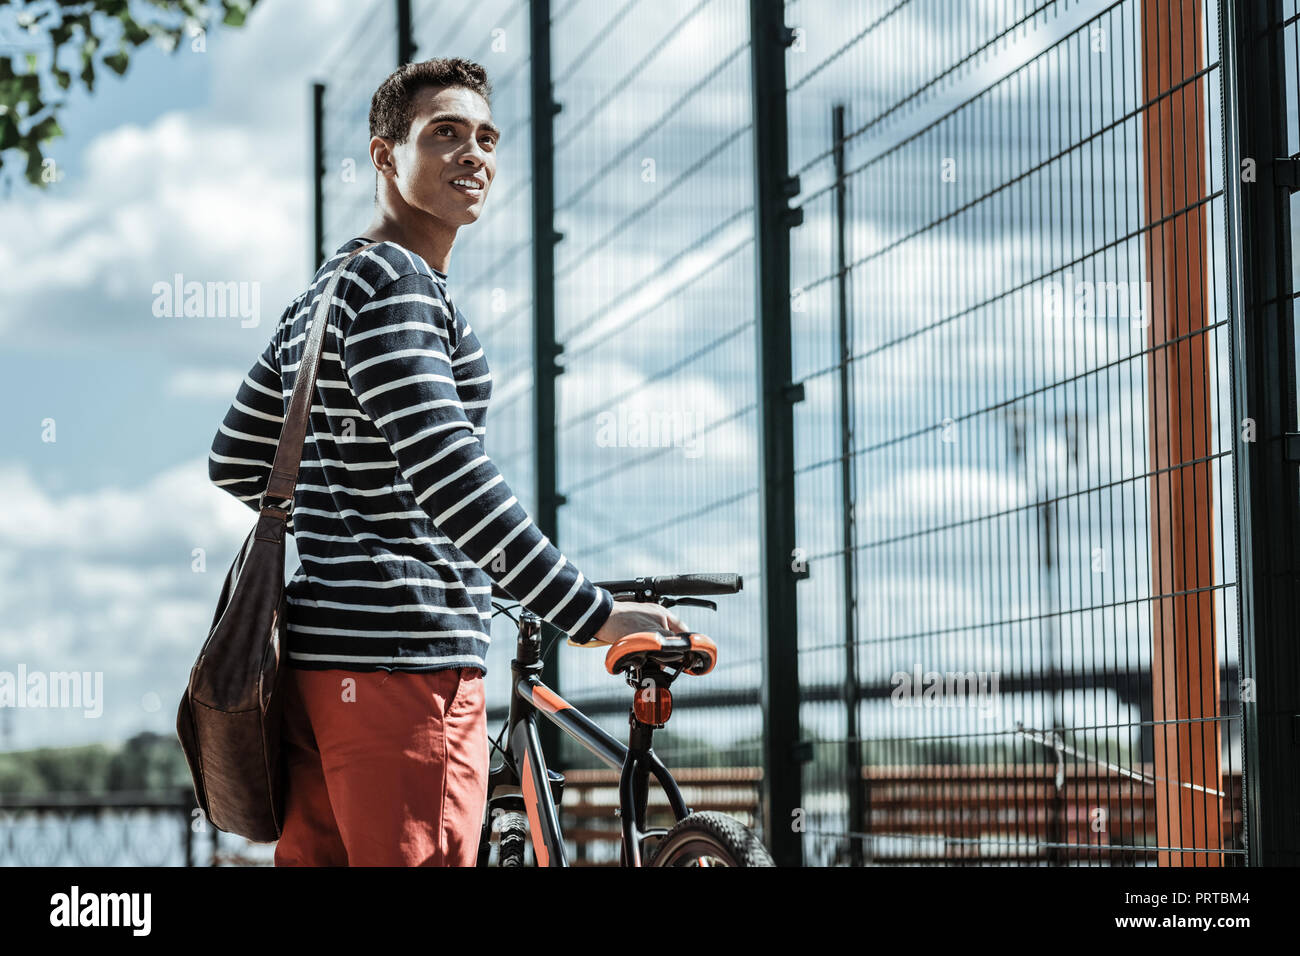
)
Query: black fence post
[
  {"x": 405, "y": 36},
  {"x": 318, "y": 175},
  {"x": 852, "y": 745},
  {"x": 783, "y": 754},
  {"x": 187, "y": 821},
  {"x": 545, "y": 349},
  {"x": 1259, "y": 177}
]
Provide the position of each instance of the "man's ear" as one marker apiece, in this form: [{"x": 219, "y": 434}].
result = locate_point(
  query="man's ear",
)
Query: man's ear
[
  {"x": 381, "y": 158},
  {"x": 381, "y": 155}
]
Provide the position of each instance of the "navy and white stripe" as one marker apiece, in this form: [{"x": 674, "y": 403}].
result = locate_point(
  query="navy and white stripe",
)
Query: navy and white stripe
[{"x": 400, "y": 518}]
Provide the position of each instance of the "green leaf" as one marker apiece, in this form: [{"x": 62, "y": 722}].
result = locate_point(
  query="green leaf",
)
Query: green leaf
[
  {"x": 35, "y": 162},
  {"x": 132, "y": 32},
  {"x": 73, "y": 23},
  {"x": 235, "y": 14},
  {"x": 118, "y": 62},
  {"x": 87, "y": 27},
  {"x": 46, "y": 130},
  {"x": 8, "y": 132},
  {"x": 26, "y": 89}
]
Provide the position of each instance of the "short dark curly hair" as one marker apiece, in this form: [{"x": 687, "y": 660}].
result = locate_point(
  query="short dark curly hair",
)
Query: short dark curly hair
[{"x": 391, "y": 106}]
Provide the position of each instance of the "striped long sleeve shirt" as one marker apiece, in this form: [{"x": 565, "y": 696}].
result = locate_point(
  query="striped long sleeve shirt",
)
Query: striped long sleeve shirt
[{"x": 400, "y": 518}]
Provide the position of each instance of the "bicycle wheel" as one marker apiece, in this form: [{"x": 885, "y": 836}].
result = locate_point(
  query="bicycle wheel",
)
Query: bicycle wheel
[
  {"x": 709, "y": 838},
  {"x": 514, "y": 836}
]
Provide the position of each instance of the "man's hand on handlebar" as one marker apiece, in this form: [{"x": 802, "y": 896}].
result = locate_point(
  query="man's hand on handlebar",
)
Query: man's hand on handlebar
[{"x": 628, "y": 617}]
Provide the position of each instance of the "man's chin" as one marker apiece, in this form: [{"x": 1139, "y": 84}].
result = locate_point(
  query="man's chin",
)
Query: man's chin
[
  {"x": 465, "y": 213},
  {"x": 457, "y": 217}
]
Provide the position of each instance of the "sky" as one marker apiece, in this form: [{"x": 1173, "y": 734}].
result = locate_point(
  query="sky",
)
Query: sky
[
  {"x": 114, "y": 543},
  {"x": 195, "y": 164}
]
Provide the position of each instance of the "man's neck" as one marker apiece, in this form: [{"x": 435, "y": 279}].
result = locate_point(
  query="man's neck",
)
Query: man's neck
[{"x": 429, "y": 238}]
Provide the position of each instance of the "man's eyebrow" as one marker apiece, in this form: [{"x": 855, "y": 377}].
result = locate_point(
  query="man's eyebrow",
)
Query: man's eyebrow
[{"x": 463, "y": 121}]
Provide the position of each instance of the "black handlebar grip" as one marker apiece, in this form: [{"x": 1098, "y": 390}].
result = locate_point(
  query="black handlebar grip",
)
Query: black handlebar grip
[
  {"x": 663, "y": 585},
  {"x": 689, "y": 584}
]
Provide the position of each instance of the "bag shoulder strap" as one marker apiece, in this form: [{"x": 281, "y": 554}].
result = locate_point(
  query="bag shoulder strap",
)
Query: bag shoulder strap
[{"x": 288, "y": 450}]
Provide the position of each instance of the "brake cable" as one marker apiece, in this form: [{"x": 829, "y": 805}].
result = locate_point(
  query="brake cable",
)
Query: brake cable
[
  {"x": 496, "y": 744},
  {"x": 663, "y": 601}
]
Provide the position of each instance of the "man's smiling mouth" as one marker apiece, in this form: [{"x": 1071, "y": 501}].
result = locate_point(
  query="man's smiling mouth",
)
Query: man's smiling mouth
[{"x": 469, "y": 186}]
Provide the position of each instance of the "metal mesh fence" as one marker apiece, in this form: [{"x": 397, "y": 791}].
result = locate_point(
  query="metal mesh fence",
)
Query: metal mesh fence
[
  {"x": 491, "y": 273},
  {"x": 1011, "y": 266},
  {"x": 1018, "y": 638},
  {"x": 363, "y": 60},
  {"x": 655, "y": 309}
]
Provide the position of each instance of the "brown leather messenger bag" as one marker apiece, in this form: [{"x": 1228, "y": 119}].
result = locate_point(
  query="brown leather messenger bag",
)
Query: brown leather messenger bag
[{"x": 229, "y": 716}]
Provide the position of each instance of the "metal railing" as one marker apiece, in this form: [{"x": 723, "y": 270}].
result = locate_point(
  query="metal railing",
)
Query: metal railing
[{"x": 117, "y": 829}]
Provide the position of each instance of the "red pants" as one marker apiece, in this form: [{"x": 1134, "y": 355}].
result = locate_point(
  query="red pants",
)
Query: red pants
[{"x": 383, "y": 769}]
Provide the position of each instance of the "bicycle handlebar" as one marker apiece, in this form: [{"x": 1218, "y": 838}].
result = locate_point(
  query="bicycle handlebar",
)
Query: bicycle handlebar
[
  {"x": 673, "y": 585},
  {"x": 661, "y": 585}
]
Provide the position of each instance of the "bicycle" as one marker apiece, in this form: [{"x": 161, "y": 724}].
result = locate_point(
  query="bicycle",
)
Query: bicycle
[{"x": 525, "y": 794}]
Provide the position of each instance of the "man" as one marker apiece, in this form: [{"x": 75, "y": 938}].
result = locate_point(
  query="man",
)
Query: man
[{"x": 400, "y": 518}]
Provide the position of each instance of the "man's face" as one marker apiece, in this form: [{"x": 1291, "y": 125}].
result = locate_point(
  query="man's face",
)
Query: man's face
[{"x": 449, "y": 159}]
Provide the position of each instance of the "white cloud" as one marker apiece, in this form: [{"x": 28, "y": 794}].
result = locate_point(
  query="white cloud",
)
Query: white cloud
[
  {"x": 178, "y": 508},
  {"x": 935, "y": 494},
  {"x": 213, "y": 383},
  {"x": 216, "y": 194},
  {"x": 687, "y": 406},
  {"x": 181, "y": 195},
  {"x": 104, "y": 580}
]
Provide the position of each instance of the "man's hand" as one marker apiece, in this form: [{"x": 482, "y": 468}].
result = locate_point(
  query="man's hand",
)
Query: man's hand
[{"x": 628, "y": 617}]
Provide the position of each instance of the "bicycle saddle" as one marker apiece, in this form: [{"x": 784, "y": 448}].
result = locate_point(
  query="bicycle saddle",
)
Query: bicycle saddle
[{"x": 695, "y": 653}]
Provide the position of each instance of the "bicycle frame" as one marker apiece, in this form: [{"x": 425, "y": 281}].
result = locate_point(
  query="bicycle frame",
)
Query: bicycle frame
[{"x": 525, "y": 782}]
